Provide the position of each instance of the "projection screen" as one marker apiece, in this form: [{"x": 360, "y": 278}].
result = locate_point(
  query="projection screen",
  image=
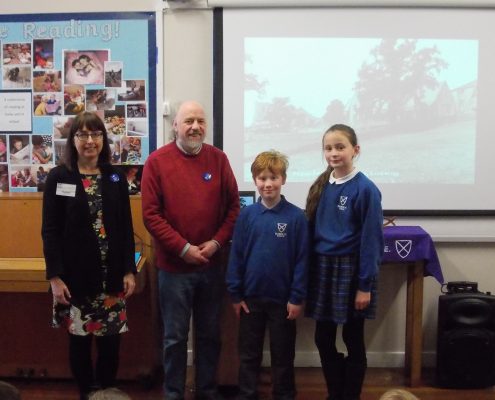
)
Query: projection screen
[{"x": 417, "y": 85}]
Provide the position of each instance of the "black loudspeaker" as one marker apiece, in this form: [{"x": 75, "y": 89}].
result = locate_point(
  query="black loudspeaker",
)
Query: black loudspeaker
[{"x": 466, "y": 340}]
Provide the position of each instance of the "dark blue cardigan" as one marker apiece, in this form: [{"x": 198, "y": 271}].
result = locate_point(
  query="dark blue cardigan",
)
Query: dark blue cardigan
[{"x": 70, "y": 244}]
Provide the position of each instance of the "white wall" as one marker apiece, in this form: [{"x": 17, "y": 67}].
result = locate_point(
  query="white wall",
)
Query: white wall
[
  {"x": 188, "y": 60},
  {"x": 188, "y": 74}
]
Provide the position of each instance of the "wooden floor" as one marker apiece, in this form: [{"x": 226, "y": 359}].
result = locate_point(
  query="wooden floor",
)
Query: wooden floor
[{"x": 310, "y": 386}]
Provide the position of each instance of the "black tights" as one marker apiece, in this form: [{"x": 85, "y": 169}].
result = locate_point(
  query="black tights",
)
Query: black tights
[
  {"x": 107, "y": 361},
  {"x": 352, "y": 334}
]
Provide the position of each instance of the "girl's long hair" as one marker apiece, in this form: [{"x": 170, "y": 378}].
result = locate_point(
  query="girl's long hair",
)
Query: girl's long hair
[{"x": 315, "y": 192}]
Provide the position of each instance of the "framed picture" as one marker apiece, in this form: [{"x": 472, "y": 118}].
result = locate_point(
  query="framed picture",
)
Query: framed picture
[{"x": 247, "y": 197}]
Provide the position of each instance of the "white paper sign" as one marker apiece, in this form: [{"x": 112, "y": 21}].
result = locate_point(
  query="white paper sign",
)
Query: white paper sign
[{"x": 16, "y": 111}]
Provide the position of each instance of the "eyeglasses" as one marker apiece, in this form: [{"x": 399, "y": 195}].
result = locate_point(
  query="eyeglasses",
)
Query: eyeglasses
[{"x": 85, "y": 135}]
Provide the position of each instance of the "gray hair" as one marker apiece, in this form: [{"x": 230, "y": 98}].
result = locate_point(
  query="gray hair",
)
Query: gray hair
[
  {"x": 398, "y": 394},
  {"x": 109, "y": 394},
  {"x": 9, "y": 392}
]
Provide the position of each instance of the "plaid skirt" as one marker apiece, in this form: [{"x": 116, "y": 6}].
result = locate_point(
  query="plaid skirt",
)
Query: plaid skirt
[{"x": 333, "y": 282}]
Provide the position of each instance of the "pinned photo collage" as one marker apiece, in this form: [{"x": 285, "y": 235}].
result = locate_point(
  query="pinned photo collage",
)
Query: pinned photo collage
[
  {"x": 25, "y": 161},
  {"x": 88, "y": 80}
]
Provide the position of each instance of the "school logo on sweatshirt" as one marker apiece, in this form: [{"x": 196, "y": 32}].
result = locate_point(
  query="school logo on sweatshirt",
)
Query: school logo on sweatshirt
[
  {"x": 281, "y": 230},
  {"x": 342, "y": 203}
]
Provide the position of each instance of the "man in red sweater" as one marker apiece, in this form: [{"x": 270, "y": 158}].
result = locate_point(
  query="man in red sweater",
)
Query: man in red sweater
[{"x": 190, "y": 204}]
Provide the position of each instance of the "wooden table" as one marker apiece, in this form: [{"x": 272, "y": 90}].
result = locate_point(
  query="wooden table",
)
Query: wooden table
[{"x": 413, "y": 246}]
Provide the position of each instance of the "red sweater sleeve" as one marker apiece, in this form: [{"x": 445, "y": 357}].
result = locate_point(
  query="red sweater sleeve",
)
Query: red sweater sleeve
[{"x": 153, "y": 211}]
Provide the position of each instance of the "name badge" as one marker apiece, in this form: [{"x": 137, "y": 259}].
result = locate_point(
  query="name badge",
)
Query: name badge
[{"x": 66, "y": 189}]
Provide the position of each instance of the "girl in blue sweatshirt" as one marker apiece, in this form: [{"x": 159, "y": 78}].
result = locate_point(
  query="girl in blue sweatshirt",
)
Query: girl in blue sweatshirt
[{"x": 345, "y": 213}]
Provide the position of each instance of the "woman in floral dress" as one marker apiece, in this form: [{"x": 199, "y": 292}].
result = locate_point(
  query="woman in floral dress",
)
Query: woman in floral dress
[{"x": 88, "y": 244}]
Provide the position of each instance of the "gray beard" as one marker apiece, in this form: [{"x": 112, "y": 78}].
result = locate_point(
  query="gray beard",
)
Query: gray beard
[{"x": 189, "y": 147}]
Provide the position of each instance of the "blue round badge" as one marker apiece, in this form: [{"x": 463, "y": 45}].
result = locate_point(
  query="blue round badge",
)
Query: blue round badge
[
  {"x": 207, "y": 176},
  {"x": 114, "y": 178}
]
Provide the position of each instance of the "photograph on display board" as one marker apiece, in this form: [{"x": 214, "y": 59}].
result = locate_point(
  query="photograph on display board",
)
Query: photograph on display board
[
  {"x": 19, "y": 149},
  {"x": 74, "y": 99},
  {"x": 16, "y": 53},
  {"x": 115, "y": 120},
  {"x": 85, "y": 67},
  {"x": 136, "y": 110},
  {"x": 47, "y": 81},
  {"x": 100, "y": 99},
  {"x": 134, "y": 91},
  {"x": 43, "y": 53},
  {"x": 47, "y": 104},
  {"x": 21, "y": 177},
  {"x": 4, "y": 178},
  {"x": 42, "y": 149},
  {"x": 137, "y": 127},
  {"x": 3, "y": 148},
  {"x": 131, "y": 150},
  {"x": 16, "y": 77},
  {"x": 113, "y": 73},
  {"x": 61, "y": 126}
]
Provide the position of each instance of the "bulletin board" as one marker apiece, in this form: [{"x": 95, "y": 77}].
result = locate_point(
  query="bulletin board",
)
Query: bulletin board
[{"x": 54, "y": 66}]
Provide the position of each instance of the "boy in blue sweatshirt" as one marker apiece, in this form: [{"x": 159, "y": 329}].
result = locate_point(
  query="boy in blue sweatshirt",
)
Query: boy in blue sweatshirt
[{"x": 267, "y": 278}]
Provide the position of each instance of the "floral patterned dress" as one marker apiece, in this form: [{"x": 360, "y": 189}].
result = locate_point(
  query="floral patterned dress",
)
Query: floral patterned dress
[{"x": 103, "y": 314}]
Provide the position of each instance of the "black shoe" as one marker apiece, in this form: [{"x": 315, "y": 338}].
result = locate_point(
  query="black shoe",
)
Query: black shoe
[
  {"x": 334, "y": 373},
  {"x": 228, "y": 391},
  {"x": 354, "y": 378}
]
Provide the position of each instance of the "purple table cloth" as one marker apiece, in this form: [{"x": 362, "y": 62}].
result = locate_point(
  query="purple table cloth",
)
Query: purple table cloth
[{"x": 410, "y": 244}]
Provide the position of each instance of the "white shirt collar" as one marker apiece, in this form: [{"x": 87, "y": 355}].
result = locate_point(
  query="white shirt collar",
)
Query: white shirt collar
[{"x": 344, "y": 179}]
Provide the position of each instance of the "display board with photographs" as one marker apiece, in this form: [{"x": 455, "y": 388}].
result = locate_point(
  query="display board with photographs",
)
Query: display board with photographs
[{"x": 68, "y": 63}]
